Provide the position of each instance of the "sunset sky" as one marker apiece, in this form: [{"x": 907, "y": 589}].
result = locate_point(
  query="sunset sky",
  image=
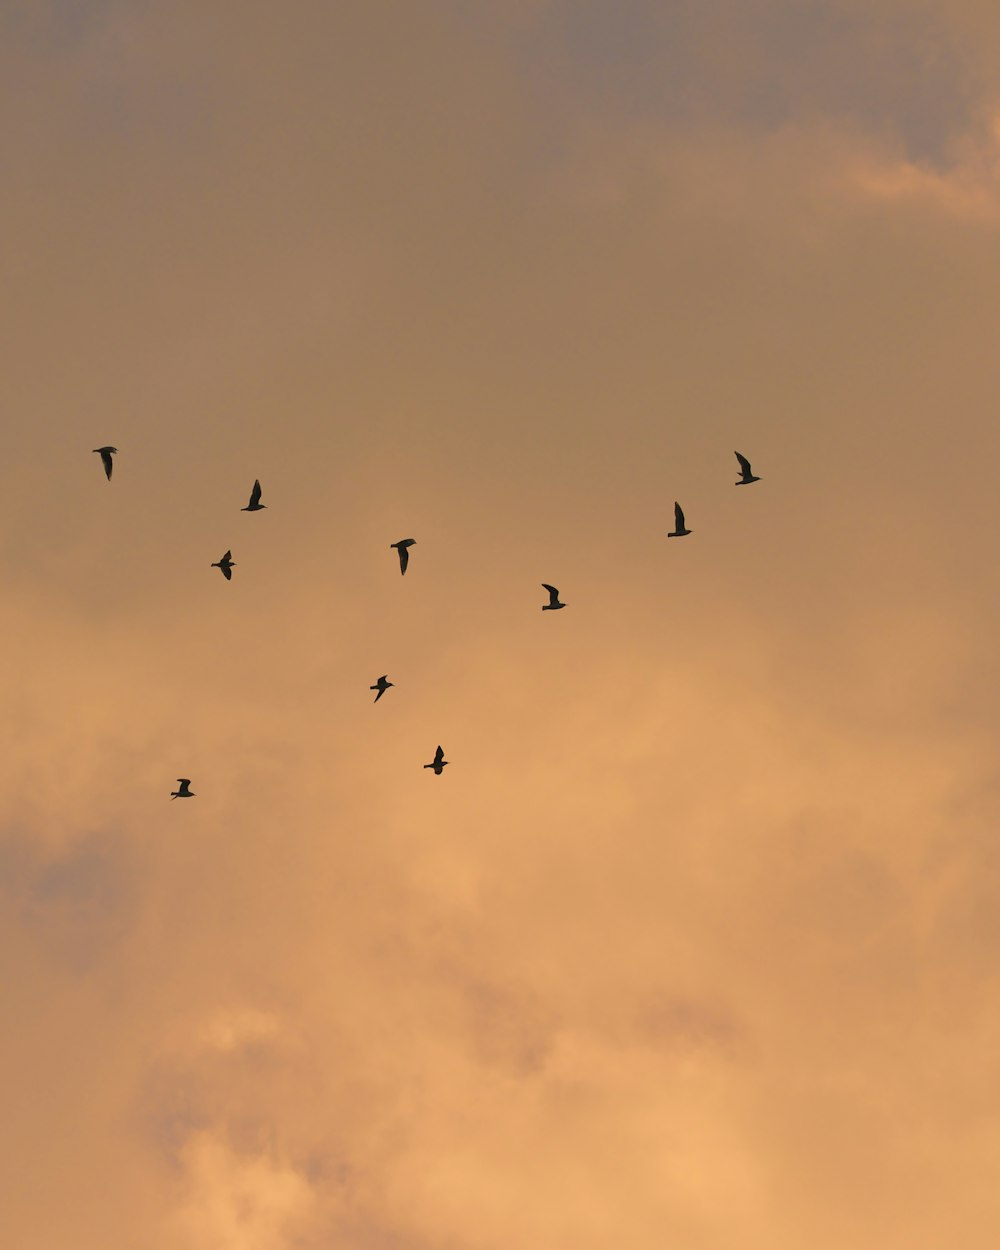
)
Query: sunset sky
[{"x": 695, "y": 944}]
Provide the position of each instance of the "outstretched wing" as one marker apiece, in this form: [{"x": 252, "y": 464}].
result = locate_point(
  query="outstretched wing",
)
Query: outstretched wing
[
  {"x": 107, "y": 462},
  {"x": 404, "y": 557},
  {"x": 226, "y": 558},
  {"x": 227, "y": 572},
  {"x": 744, "y": 464},
  {"x": 553, "y": 593},
  {"x": 255, "y": 495},
  {"x": 679, "y": 517},
  {"x": 439, "y": 755}
]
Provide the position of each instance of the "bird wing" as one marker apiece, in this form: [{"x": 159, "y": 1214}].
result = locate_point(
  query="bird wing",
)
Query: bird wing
[
  {"x": 439, "y": 755},
  {"x": 679, "y": 516},
  {"x": 107, "y": 462},
  {"x": 744, "y": 464},
  {"x": 551, "y": 589},
  {"x": 226, "y": 558},
  {"x": 227, "y": 572},
  {"x": 255, "y": 494},
  {"x": 404, "y": 557}
]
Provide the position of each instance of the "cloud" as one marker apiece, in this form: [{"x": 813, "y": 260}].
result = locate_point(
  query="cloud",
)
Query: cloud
[
  {"x": 78, "y": 907},
  {"x": 759, "y": 66},
  {"x": 966, "y": 188},
  {"x": 236, "y": 1202},
  {"x": 235, "y": 1029},
  {"x": 693, "y": 939}
]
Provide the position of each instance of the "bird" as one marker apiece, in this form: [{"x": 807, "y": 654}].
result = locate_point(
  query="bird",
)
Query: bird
[
  {"x": 381, "y": 686},
  {"x": 226, "y": 564},
  {"x": 404, "y": 555},
  {"x": 553, "y": 604},
  {"x": 439, "y": 762},
  {"x": 680, "y": 531},
  {"x": 254, "y": 505},
  {"x": 106, "y": 453},
  {"x": 184, "y": 790},
  {"x": 748, "y": 474}
]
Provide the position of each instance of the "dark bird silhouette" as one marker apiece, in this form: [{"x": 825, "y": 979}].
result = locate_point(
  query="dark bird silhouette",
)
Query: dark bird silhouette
[
  {"x": 106, "y": 453},
  {"x": 381, "y": 686},
  {"x": 748, "y": 475},
  {"x": 553, "y": 604},
  {"x": 226, "y": 564},
  {"x": 404, "y": 555},
  {"x": 183, "y": 790},
  {"x": 439, "y": 762},
  {"x": 679, "y": 530},
  {"x": 254, "y": 505}
]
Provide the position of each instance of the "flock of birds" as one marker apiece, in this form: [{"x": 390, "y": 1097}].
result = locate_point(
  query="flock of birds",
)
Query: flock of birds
[{"x": 402, "y": 548}]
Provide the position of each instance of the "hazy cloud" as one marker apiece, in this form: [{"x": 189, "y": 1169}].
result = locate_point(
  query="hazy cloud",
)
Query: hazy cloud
[{"x": 694, "y": 941}]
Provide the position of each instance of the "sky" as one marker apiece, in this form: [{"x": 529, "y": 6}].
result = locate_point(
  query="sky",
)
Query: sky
[{"x": 696, "y": 941}]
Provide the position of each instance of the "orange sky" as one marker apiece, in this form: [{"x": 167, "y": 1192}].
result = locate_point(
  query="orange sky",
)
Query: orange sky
[{"x": 696, "y": 941}]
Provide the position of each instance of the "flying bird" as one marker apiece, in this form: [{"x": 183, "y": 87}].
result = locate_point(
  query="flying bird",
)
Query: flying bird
[
  {"x": 183, "y": 790},
  {"x": 106, "y": 453},
  {"x": 381, "y": 686},
  {"x": 254, "y": 505},
  {"x": 404, "y": 555},
  {"x": 748, "y": 474},
  {"x": 679, "y": 530},
  {"x": 439, "y": 762},
  {"x": 553, "y": 604},
  {"x": 226, "y": 564}
]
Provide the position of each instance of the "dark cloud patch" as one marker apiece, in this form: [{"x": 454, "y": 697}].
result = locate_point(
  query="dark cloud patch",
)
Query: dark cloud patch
[
  {"x": 690, "y": 1024},
  {"x": 77, "y": 907},
  {"x": 764, "y": 63},
  {"x": 507, "y": 1027},
  {"x": 55, "y": 25}
]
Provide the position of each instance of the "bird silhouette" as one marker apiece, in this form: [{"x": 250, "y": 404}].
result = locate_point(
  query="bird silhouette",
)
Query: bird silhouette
[
  {"x": 381, "y": 686},
  {"x": 439, "y": 762},
  {"x": 679, "y": 531},
  {"x": 226, "y": 564},
  {"x": 184, "y": 790},
  {"x": 106, "y": 453},
  {"x": 748, "y": 475},
  {"x": 553, "y": 604},
  {"x": 254, "y": 505},
  {"x": 404, "y": 555}
]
